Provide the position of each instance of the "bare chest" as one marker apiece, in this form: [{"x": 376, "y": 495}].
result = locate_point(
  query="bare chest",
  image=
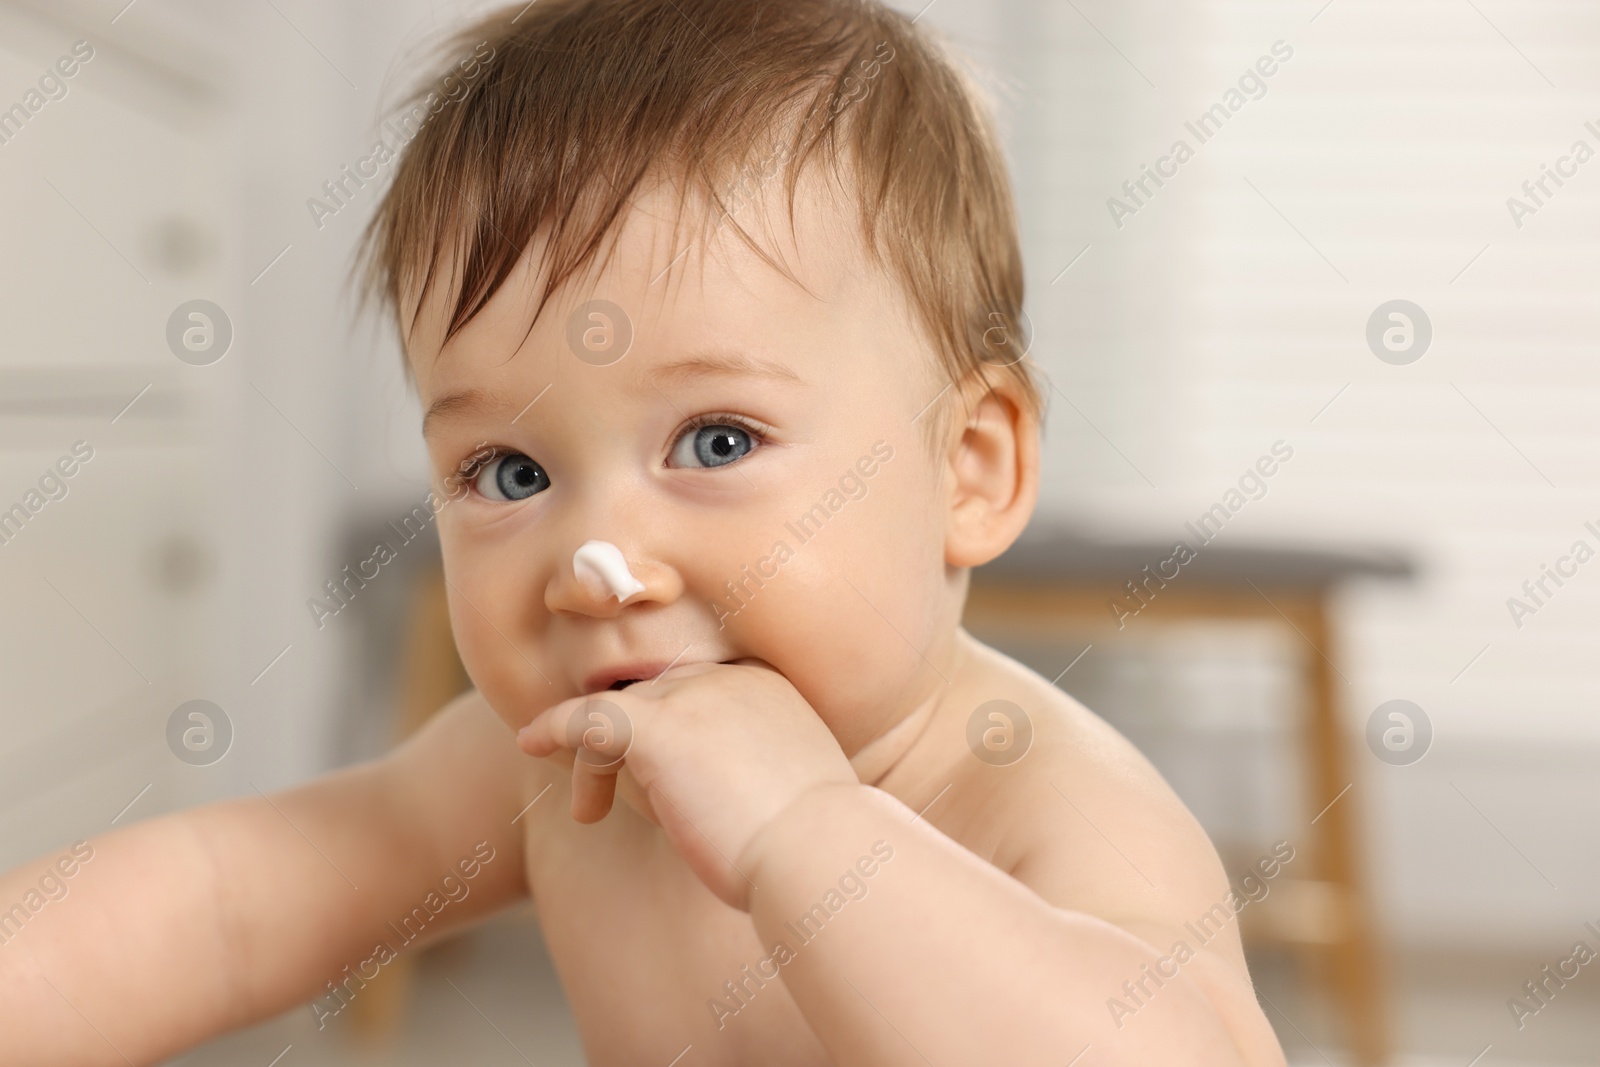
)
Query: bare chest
[{"x": 654, "y": 966}]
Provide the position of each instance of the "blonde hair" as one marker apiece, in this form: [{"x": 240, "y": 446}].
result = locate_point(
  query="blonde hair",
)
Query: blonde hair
[{"x": 579, "y": 102}]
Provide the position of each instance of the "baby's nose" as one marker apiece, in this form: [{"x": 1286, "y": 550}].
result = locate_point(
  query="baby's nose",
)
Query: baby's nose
[{"x": 601, "y": 580}]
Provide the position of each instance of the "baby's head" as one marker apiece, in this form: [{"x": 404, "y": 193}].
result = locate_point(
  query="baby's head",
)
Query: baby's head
[{"x": 736, "y": 288}]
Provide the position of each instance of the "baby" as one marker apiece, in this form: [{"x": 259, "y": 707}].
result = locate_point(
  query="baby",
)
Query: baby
[{"x": 713, "y": 309}]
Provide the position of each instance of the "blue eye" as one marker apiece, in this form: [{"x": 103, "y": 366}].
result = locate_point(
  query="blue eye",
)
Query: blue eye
[
  {"x": 512, "y": 476},
  {"x": 713, "y": 445}
]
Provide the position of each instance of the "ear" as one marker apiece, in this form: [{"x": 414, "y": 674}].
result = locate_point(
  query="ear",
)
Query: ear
[{"x": 993, "y": 467}]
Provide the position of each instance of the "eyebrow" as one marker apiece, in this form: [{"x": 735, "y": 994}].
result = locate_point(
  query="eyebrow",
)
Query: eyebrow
[
  {"x": 456, "y": 405},
  {"x": 725, "y": 364}
]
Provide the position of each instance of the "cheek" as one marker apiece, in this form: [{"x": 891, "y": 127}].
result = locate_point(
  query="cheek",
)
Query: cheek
[
  {"x": 850, "y": 616},
  {"x": 490, "y": 615}
]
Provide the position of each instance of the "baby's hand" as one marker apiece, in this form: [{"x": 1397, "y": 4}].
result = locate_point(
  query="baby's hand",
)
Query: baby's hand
[{"x": 719, "y": 750}]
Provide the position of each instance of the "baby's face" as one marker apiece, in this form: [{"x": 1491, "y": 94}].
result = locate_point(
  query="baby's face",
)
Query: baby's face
[{"x": 759, "y": 455}]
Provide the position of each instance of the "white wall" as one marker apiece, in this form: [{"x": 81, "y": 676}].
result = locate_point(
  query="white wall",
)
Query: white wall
[{"x": 190, "y": 144}]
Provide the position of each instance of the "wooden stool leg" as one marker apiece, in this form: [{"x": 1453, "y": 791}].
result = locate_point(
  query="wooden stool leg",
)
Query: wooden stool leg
[
  {"x": 377, "y": 1014},
  {"x": 431, "y": 675},
  {"x": 1355, "y": 966}
]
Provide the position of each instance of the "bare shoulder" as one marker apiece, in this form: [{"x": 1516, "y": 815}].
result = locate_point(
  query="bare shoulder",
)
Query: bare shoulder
[
  {"x": 1086, "y": 820},
  {"x": 1088, "y": 824}
]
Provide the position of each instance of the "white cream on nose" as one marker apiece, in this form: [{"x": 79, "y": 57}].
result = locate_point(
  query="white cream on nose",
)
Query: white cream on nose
[{"x": 602, "y": 561}]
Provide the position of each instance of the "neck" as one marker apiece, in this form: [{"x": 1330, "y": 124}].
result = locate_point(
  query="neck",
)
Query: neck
[{"x": 890, "y": 749}]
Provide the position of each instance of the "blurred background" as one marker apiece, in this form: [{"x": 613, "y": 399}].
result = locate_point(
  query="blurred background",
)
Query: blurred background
[{"x": 1359, "y": 259}]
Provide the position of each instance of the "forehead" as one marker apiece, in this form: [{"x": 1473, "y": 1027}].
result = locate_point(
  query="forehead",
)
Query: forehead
[{"x": 682, "y": 274}]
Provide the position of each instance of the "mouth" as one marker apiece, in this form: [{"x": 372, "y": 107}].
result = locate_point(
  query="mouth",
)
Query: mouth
[{"x": 621, "y": 676}]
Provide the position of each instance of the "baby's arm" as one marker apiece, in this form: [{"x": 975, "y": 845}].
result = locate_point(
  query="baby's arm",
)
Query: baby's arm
[
  {"x": 1088, "y": 871},
  {"x": 948, "y": 956},
  {"x": 209, "y": 919}
]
